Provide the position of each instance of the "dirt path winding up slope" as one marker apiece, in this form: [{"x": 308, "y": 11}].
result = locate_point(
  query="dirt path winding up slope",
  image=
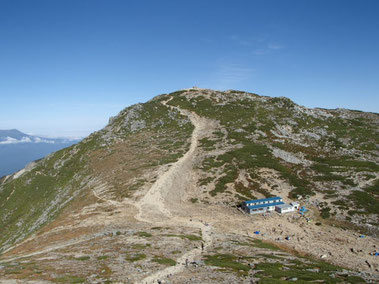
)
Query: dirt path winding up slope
[{"x": 169, "y": 190}]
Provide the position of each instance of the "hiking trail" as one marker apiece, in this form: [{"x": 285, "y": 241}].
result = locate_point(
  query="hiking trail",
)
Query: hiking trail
[{"x": 169, "y": 189}]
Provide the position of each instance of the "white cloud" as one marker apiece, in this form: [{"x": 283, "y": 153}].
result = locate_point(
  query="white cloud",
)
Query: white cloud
[
  {"x": 240, "y": 40},
  {"x": 261, "y": 45},
  {"x": 229, "y": 75},
  {"x": 10, "y": 140},
  {"x": 234, "y": 73},
  {"x": 260, "y": 52},
  {"x": 39, "y": 140},
  {"x": 267, "y": 49},
  {"x": 274, "y": 46}
]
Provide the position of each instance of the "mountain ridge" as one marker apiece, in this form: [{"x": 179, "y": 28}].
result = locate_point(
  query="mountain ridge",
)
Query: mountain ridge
[{"x": 185, "y": 160}]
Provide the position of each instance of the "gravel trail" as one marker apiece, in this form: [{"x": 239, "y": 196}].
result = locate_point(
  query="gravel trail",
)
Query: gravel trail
[{"x": 170, "y": 189}]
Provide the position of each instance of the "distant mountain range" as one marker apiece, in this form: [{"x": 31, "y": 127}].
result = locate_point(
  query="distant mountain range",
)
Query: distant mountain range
[{"x": 17, "y": 149}]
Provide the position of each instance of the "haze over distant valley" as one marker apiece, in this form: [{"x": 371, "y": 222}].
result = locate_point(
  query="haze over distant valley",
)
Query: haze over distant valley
[{"x": 17, "y": 149}]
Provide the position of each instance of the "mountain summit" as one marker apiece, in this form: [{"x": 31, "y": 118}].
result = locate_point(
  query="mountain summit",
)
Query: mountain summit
[{"x": 155, "y": 194}]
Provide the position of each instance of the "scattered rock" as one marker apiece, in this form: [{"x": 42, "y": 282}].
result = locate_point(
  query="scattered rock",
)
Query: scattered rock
[{"x": 316, "y": 270}]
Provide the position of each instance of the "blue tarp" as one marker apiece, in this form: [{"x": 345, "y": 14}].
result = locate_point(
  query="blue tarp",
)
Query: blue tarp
[
  {"x": 257, "y": 232},
  {"x": 302, "y": 210}
]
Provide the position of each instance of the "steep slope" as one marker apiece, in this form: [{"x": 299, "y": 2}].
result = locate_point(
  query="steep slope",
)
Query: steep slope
[
  {"x": 153, "y": 196},
  {"x": 34, "y": 198}
]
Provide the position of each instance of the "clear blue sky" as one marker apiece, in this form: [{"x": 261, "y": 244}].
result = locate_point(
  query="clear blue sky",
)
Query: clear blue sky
[{"x": 67, "y": 65}]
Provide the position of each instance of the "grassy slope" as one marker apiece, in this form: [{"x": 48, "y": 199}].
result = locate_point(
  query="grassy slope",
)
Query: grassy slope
[
  {"x": 346, "y": 150},
  {"x": 38, "y": 196},
  {"x": 272, "y": 265}
]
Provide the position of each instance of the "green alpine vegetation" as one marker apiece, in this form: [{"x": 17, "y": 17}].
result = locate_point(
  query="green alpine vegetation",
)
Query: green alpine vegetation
[
  {"x": 38, "y": 196},
  {"x": 159, "y": 187},
  {"x": 313, "y": 150}
]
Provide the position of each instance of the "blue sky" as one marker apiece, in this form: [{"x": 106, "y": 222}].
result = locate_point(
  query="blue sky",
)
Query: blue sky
[{"x": 67, "y": 66}]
